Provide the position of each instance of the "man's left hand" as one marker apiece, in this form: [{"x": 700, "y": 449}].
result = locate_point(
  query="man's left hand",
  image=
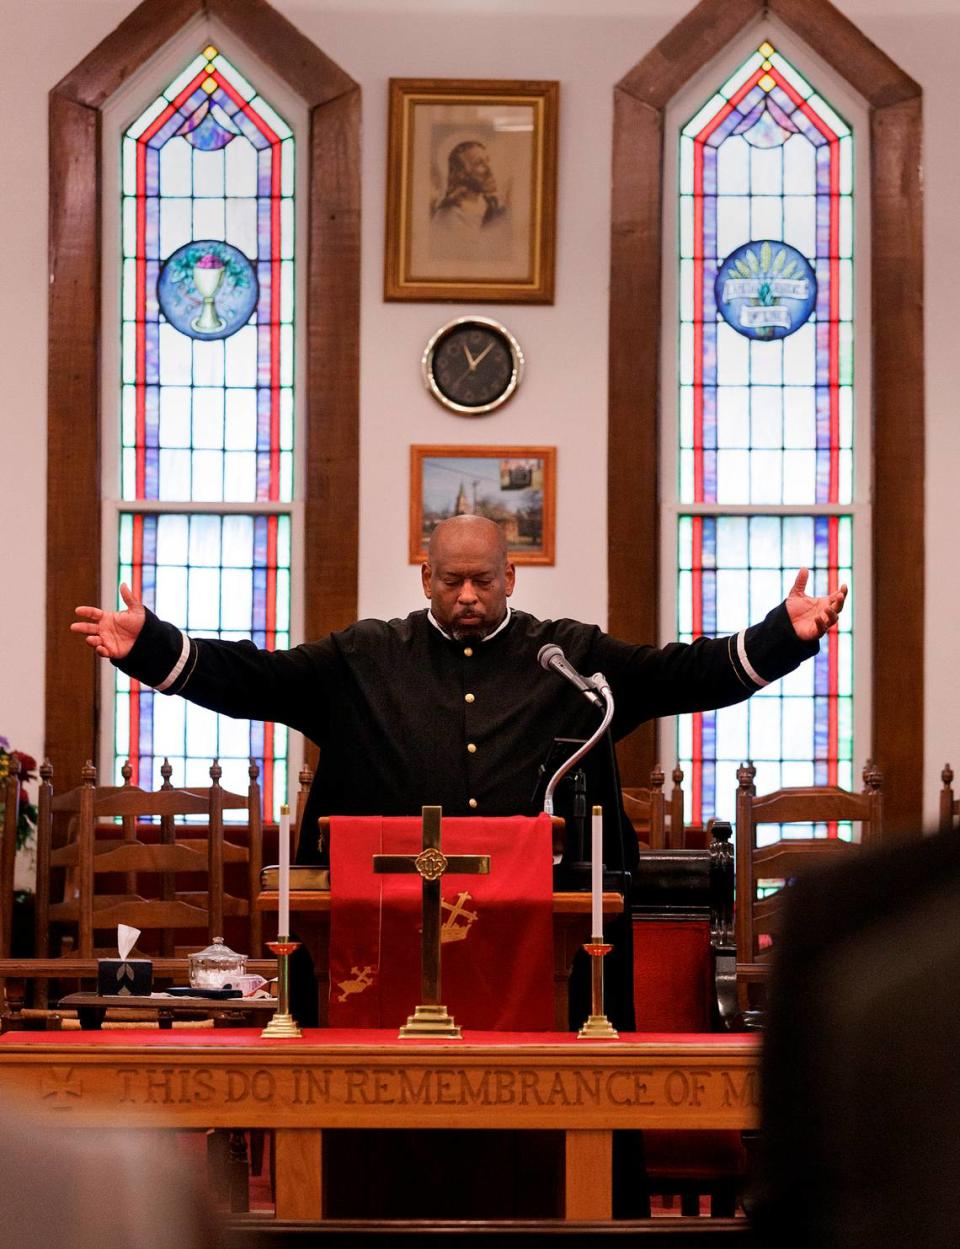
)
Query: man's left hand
[{"x": 812, "y": 617}]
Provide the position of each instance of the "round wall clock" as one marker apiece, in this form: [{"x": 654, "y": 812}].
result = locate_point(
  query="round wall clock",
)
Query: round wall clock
[{"x": 472, "y": 365}]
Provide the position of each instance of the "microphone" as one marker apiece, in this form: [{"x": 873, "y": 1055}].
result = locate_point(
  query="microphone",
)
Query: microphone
[{"x": 552, "y": 658}]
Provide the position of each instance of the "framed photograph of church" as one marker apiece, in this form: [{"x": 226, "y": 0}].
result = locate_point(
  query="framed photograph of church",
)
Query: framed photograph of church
[
  {"x": 514, "y": 486},
  {"x": 471, "y": 190}
]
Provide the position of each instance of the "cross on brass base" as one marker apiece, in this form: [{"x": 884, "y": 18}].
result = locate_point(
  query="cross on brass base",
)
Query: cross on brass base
[{"x": 430, "y": 1018}]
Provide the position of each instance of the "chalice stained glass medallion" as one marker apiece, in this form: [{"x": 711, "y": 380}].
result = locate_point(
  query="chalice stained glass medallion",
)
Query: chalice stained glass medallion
[
  {"x": 766, "y": 289},
  {"x": 208, "y": 289}
]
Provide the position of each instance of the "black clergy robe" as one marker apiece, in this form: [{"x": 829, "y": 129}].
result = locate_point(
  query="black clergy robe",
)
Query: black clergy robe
[{"x": 405, "y": 716}]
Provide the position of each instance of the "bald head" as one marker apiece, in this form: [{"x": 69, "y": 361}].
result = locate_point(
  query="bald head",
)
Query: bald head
[
  {"x": 467, "y": 576},
  {"x": 462, "y": 533}
]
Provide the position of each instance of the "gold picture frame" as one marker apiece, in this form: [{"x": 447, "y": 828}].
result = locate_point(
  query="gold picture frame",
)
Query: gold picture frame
[
  {"x": 471, "y": 190},
  {"x": 515, "y": 486}
]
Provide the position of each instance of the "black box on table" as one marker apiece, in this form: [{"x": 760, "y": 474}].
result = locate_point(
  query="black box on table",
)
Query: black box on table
[{"x": 124, "y": 977}]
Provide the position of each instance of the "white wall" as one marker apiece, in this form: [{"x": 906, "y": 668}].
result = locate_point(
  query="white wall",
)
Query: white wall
[{"x": 563, "y": 398}]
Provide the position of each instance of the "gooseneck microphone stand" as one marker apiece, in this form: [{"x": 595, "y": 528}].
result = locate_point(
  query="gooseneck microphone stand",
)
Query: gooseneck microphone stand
[{"x": 599, "y": 683}]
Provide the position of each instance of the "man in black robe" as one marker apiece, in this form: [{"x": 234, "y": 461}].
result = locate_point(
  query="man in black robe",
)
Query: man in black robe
[{"x": 449, "y": 706}]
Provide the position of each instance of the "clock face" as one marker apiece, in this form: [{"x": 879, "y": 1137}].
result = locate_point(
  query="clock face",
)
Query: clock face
[{"x": 472, "y": 365}]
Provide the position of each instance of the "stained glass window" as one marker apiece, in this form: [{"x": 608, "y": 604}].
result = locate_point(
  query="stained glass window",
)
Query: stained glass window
[
  {"x": 207, "y": 400},
  {"x": 765, "y": 448}
]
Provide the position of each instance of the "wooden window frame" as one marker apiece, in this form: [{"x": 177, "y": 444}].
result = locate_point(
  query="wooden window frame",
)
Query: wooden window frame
[
  {"x": 331, "y": 493},
  {"x": 894, "y": 102}
]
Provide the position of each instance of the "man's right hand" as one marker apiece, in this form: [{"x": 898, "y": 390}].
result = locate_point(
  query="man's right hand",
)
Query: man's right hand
[{"x": 111, "y": 633}]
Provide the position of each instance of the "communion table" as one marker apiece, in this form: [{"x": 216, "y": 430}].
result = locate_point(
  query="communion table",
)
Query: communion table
[{"x": 370, "y": 1079}]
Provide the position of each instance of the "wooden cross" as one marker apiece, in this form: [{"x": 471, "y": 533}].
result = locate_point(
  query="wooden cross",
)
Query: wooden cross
[{"x": 430, "y": 1018}]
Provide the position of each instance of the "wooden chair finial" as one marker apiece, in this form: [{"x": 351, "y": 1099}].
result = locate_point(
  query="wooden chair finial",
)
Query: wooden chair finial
[
  {"x": 946, "y": 776},
  {"x": 88, "y": 773},
  {"x": 253, "y": 771},
  {"x": 46, "y": 772},
  {"x": 166, "y": 771},
  {"x": 746, "y": 775},
  {"x": 657, "y": 777},
  {"x": 127, "y": 773},
  {"x": 216, "y": 771},
  {"x": 872, "y": 777},
  {"x": 677, "y": 774}
]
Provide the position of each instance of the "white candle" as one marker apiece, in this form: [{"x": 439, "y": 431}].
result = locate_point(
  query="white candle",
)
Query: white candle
[
  {"x": 596, "y": 875},
  {"x": 283, "y": 918}
]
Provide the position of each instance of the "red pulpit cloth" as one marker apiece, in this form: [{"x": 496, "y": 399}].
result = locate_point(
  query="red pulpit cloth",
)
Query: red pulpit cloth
[{"x": 497, "y": 947}]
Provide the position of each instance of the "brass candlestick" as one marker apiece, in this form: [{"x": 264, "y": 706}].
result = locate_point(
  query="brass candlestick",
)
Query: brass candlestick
[
  {"x": 598, "y": 1025},
  {"x": 283, "y": 1023}
]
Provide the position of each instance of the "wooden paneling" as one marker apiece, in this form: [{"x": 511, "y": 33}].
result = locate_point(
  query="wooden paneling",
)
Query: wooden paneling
[
  {"x": 332, "y": 398},
  {"x": 898, "y": 419}
]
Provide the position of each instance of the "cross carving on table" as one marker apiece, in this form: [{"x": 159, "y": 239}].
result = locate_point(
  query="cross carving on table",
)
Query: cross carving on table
[{"x": 430, "y": 1018}]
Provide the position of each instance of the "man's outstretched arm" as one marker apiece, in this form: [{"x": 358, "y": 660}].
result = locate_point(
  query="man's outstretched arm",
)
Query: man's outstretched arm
[
  {"x": 715, "y": 672},
  {"x": 235, "y": 678}
]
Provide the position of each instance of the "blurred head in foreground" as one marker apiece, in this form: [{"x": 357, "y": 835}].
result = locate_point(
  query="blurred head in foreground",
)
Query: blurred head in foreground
[
  {"x": 90, "y": 1188},
  {"x": 861, "y": 1088}
]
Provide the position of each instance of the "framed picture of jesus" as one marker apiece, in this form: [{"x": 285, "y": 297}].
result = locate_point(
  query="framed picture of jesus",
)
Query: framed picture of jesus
[{"x": 471, "y": 190}]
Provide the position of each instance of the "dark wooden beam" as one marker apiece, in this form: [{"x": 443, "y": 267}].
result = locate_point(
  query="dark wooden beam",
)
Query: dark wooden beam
[
  {"x": 687, "y": 47},
  {"x": 140, "y": 35},
  {"x": 633, "y": 543},
  {"x": 331, "y": 535},
  {"x": 898, "y": 462},
  {"x": 314, "y": 77},
  {"x": 830, "y": 34},
  {"x": 73, "y": 430}
]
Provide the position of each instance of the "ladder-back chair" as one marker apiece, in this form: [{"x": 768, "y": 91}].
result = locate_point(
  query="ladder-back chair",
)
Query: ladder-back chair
[
  {"x": 131, "y": 832},
  {"x": 771, "y": 867}
]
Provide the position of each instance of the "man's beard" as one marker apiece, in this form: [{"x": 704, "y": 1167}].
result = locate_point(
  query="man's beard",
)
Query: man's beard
[{"x": 471, "y": 633}]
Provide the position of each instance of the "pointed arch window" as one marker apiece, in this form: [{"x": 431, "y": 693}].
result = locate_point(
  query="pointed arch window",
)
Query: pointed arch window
[
  {"x": 184, "y": 438},
  {"x": 765, "y": 398},
  {"x": 208, "y": 277},
  {"x": 650, "y": 465}
]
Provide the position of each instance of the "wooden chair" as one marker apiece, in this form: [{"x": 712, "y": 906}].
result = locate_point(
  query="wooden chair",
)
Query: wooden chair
[
  {"x": 646, "y": 811},
  {"x": 949, "y": 805},
  {"x": 657, "y": 822},
  {"x": 8, "y": 853},
  {"x": 152, "y": 838},
  {"x": 772, "y": 867}
]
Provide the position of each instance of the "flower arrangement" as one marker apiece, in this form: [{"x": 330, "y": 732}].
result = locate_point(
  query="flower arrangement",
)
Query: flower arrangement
[{"x": 27, "y": 821}]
